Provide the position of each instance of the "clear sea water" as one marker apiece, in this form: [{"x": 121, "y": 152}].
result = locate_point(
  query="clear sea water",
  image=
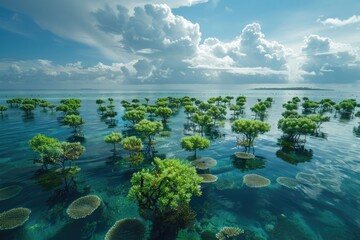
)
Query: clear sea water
[{"x": 329, "y": 209}]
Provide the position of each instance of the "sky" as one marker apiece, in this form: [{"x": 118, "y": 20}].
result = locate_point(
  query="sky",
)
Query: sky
[{"x": 110, "y": 43}]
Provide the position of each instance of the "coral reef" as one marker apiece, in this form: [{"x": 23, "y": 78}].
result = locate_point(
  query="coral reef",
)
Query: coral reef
[
  {"x": 126, "y": 229},
  {"x": 244, "y": 155},
  {"x": 9, "y": 192},
  {"x": 256, "y": 181},
  {"x": 204, "y": 163},
  {"x": 83, "y": 207},
  {"x": 228, "y": 233},
  {"x": 287, "y": 182},
  {"x": 208, "y": 178},
  {"x": 14, "y": 218}
]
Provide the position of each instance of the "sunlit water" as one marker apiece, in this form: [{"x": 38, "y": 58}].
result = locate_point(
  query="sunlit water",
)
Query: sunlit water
[{"x": 329, "y": 209}]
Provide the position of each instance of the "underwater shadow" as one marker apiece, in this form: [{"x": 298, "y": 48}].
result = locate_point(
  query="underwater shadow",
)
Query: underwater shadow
[{"x": 295, "y": 156}]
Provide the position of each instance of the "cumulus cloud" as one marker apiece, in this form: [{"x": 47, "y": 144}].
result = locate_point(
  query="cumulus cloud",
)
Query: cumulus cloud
[
  {"x": 74, "y": 20},
  {"x": 336, "y": 22},
  {"x": 42, "y": 73},
  {"x": 151, "y": 29},
  {"x": 249, "y": 54},
  {"x": 328, "y": 61}
]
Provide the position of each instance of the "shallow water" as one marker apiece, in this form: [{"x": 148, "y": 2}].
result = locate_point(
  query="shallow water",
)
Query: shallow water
[{"x": 327, "y": 209}]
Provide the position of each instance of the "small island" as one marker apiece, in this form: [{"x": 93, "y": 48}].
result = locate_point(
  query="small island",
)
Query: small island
[{"x": 294, "y": 88}]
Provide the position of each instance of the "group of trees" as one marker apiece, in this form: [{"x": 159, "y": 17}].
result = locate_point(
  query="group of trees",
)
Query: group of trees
[
  {"x": 164, "y": 190},
  {"x": 51, "y": 153}
]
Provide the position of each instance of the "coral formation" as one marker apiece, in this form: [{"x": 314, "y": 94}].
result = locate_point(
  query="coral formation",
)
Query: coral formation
[
  {"x": 126, "y": 229},
  {"x": 83, "y": 207},
  {"x": 9, "y": 192},
  {"x": 244, "y": 155},
  {"x": 287, "y": 182},
  {"x": 306, "y": 178},
  {"x": 204, "y": 163},
  {"x": 14, "y": 218},
  {"x": 228, "y": 233},
  {"x": 208, "y": 178},
  {"x": 256, "y": 181}
]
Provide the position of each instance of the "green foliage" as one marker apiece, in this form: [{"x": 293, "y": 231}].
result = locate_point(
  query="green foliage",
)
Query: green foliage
[
  {"x": 203, "y": 120},
  {"x": 44, "y": 104},
  {"x": 357, "y": 114},
  {"x": 327, "y": 104},
  {"x": 39, "y": 142},
  {"x": 290, "y": 114},
  {"x": 259, "y": 109},
  {"x": 294, "y": 128},
  {"x": 319, "y": 119},
  {"x": 27, "y": 108},
  {"x": 71, "y": 151},
  {"x": 134, "y": 146},
  {"x": 250, "y": 129},
  {"x": 102, "y": 109},
  {"x": 134, "y": 116},
  {"x": 190, "y": 110},
  {"x": 151, "y": 110},
  {"x": 195, "y": 142},
  {"x": 346, "y": 107},
  {"x": 216, "y": 113},
  {"x": 73, "y": 121},
  {"x": 100, "y": 101},
  {"x": 237, "y": 110},
  {"x": 169, "y": 184},
  {"x": 3, "y": 109},
  {"x": 54, "y": 152},
  {"x": 164, "y": 113},
  {"x": 111, "y": 106},
  {"x": 296, "y": 100},
  {"x": 290, "y": 106},
  {"x": 69, "y": 106},
  {"x": 113, "y": 138},
  {"x": 240, "y": 100},
  {"x": 62, "y": 108},
  {"x": 310, "y": 106},
  {"x": 148, "y": 128},
  {"x": 161, "y": 103}
]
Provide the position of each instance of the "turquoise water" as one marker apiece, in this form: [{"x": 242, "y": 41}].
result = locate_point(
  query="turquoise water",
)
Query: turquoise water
[{"x": 327, "y": 209}]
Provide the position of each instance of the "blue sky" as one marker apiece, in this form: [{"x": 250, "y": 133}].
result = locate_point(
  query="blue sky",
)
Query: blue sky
[{"x": 109, "y": 43}]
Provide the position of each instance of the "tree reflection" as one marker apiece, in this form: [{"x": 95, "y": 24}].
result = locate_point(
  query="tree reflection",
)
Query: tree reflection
[{"x": 245, "y": 165}]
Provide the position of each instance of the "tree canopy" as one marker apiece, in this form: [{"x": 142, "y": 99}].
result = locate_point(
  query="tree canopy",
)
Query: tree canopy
[
  {"x": 168, "y": 184},
  {"x": 194, "y": 143},
  {"x": 73, "y": 121},
  {"x": 250, "y": 129},
  {"x": 294, "y": 128},
  {"x": 113, "y": 138}
]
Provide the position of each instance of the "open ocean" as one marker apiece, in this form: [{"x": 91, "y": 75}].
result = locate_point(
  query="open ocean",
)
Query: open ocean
[{"x": 324, "y": 206}]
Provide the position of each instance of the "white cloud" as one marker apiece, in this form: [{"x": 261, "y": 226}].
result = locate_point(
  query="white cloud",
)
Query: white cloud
[
  {"x": 328, "y": 61},
  {"x": 151, "y": 30},
  {"x": 336, "y": 22},
  {"x": 74, "y": 20},
  {"x": 249, "y": 54},
  {"x": 43, "y": 73},
  {"x": 148, "y": 43}
]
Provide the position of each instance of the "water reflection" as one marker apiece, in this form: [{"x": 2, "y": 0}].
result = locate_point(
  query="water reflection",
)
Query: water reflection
[
  {"x": 245, "y": 165},
  {"x": 295, "y": 156}
]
